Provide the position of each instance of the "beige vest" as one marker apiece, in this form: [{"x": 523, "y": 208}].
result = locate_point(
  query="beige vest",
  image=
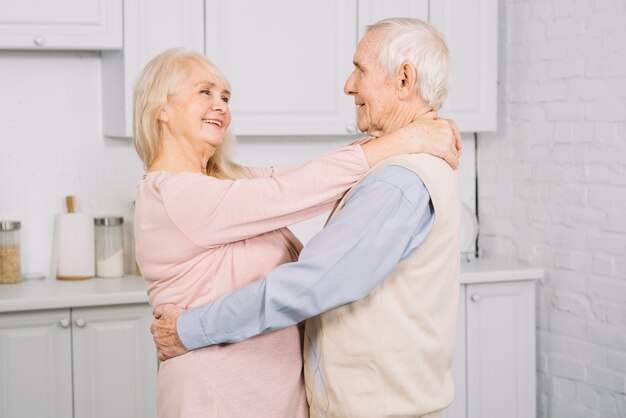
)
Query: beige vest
[{"x": 390, "y": 353}]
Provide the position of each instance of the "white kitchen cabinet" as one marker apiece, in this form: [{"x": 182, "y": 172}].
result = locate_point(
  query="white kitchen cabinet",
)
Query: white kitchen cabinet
[
  {"x": 470, "y": 30},
  {"x": 287, "y": 62},
  {"x": 61, "y": 24},
  {"x": 96, "y": 361},
  {"x": 114, "y": 362},
  {"x": 371, "y": 11},
  {"x": 501, "y": 373},
  {"x": 494, "y": 369},
  {"x": 150, "y": 27},
  {"x": 36, "y": 364}
]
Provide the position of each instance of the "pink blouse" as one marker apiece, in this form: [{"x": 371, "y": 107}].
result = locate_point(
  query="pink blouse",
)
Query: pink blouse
[{"x": 198, "y": 237}]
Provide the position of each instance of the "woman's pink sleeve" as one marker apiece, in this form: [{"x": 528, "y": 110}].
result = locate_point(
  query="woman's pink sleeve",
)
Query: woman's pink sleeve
[
  {"x": 258, "y": 172},
  {"x": 214, "y": 212}
]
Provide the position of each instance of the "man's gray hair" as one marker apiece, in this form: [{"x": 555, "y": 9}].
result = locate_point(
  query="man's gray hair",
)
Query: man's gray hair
[{"x": 412, "y": 41}]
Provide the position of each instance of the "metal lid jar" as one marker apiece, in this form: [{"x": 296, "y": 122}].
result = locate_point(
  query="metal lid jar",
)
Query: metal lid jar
[
  {"x": 10, "y": 259},
  {"x": 109, "y": 236}
]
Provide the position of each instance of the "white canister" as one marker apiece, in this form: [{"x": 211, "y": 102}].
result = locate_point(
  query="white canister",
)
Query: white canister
[{"x": 109, "y": 236}]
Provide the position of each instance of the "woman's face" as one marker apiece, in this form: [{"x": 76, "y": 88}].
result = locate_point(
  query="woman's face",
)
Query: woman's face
[{"x": 197, "y": 112}]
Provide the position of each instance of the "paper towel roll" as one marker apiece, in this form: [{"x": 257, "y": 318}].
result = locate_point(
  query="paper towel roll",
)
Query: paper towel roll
[{"x": 74, "y": 246}]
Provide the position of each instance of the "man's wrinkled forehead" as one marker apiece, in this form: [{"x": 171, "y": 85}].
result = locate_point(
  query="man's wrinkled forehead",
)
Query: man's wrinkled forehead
[{"x": 367, "y": 53}]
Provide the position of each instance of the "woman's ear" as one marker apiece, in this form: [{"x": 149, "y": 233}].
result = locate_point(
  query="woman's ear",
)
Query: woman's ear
[
  {"x": 163, "y": 116},
  {"x": 407, "y": 77}
]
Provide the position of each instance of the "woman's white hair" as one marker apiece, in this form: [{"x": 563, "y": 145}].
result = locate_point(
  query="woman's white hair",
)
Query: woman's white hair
[
  {"x": 412, "y": 41},
  {"x": 159, "y": 79}
]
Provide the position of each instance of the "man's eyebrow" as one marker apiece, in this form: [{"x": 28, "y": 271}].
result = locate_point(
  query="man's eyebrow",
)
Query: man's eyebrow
[{"x": 357, "y": 65}]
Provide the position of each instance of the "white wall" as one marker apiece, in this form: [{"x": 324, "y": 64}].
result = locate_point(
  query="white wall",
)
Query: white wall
[
  {"x": 552, "y": 191},
  {"x": 51, "y": 145}
]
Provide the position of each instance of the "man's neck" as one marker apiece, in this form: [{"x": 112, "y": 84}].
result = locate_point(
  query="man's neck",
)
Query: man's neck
[{"x": 401, "y": 116}]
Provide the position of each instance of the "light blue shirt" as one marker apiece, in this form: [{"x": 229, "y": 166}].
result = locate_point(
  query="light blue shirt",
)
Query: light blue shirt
[{"x": 386, "y": 217}]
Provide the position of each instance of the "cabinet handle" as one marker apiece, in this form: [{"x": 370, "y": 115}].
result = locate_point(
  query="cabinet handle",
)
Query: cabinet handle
[
  {"x": 39, "y": 40},
  {"x": 64, "y": 323},
  {"x": 351, "y": 128},
  {"x": 80, "y": 322},
  {"x": 475, "y": 297}
]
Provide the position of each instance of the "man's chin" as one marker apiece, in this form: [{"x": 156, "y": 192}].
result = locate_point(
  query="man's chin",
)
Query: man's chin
[{"x": 372, "y": 132}]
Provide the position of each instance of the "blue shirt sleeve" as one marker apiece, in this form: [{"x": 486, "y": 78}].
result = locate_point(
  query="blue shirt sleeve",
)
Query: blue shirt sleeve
[{"x": 385, "y": 218}]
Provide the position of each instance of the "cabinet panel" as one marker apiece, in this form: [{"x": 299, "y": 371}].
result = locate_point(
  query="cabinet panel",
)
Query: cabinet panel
[
  {"x": 470, "y": 28},
  {"x": 287, "y": 62},
  {"x": 501, "y": 350},
  {"x": 114, "y": 362},
  {"x": 150, "y": 27},
  {"x": 371, "y": 11},
  {"x": 35, "y": 365},
  {"x": 61, "y": 24}
]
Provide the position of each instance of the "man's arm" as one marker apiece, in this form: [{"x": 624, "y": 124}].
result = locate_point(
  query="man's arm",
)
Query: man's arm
[{"x": 385, "y": 218}]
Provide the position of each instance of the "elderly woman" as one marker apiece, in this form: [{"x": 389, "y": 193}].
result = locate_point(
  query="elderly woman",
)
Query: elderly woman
[{"x": 205, "y": 225}]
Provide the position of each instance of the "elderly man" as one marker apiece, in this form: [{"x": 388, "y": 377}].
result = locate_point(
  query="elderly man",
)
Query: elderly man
[{"x": 380, "y": 281}]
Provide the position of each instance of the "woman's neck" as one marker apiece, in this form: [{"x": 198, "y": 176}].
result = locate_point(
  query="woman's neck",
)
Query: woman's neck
[{"x": 177, "y": 156}]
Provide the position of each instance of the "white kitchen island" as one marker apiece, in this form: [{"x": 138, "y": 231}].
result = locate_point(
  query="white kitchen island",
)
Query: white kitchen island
[{"x": 83, "y": 348}]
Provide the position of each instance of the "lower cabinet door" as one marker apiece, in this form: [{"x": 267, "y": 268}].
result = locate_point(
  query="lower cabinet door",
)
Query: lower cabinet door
[
  {"x": 115, "y": 362},
  {"x": 36, "y": 364},
  {"x": 501, "y": 374}
]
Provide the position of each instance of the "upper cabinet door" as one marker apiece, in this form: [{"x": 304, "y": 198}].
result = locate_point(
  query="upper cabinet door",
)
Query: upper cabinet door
[
  {"x": 470, "y": 30},
  {"x": 150, "y": 27},
  {"x": 371, "y": 11},
  {"x": 61, "y": 24},
  {"x": 287, "y": 62}
]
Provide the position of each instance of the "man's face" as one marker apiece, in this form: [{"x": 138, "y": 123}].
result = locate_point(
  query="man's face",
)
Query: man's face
[{"x": 373, "y": 91}]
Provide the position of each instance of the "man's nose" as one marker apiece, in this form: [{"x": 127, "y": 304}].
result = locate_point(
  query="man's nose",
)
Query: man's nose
[{"x": 349, "y": 88}]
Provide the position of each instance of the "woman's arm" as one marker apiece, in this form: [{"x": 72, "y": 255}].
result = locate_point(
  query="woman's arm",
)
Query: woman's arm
[
  {"x": 214, "y": 212},
  {"x": 438, "y": 137}
]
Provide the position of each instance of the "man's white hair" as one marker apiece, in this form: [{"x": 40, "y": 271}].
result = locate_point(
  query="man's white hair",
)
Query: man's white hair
[{"x": 412, "y": 41}]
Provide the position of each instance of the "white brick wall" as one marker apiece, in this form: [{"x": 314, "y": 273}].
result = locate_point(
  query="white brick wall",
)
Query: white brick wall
[{"x": 552, "y": 192}]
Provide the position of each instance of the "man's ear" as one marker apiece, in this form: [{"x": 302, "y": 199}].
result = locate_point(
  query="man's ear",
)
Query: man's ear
[{"x": 406, "y": 79}]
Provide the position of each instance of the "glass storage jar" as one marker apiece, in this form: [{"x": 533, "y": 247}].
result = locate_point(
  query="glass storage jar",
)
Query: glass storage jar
[
  {"x": 109, "y": 236},
  {"x": 10, "y": 269}
]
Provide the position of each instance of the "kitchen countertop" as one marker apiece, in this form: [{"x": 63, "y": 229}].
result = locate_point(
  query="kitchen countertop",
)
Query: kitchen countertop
[
  {"x": 53, "y": 294},
  {"x": 480, "y": 270}
]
